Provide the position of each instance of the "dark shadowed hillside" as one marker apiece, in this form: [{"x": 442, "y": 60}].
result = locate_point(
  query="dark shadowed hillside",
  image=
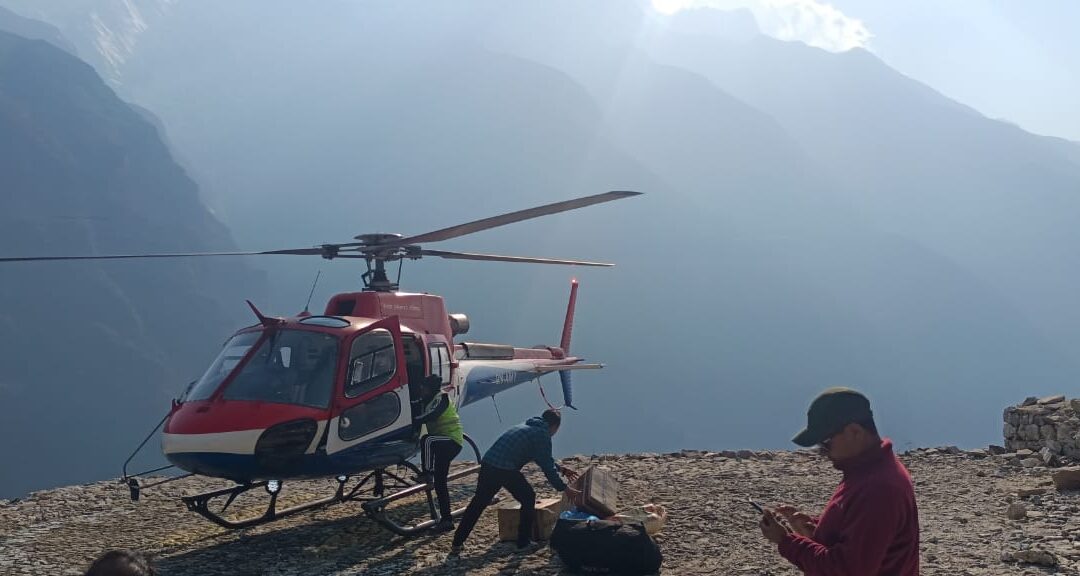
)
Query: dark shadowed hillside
[{"x": 93, "y": 351}]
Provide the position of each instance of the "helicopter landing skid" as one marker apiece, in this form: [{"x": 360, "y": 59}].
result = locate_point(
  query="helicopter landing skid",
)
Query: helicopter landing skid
[
  {"x": 376, "y": 508},
  {"x": 379, "y": 481},
  {"x": 387, "y": 485}
]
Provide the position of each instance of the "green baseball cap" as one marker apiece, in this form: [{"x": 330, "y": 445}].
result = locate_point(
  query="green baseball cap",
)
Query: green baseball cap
[{"x": 830, "y": 412}]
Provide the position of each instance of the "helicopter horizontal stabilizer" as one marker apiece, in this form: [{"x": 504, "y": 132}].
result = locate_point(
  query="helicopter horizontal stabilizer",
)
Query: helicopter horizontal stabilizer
[{"x": 566, "y": 368}]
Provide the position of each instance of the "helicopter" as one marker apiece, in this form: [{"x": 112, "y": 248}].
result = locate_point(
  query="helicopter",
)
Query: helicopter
[{"x": 335, "y": 395}]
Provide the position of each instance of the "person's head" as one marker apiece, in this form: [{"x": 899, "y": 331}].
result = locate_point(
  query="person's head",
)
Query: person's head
[
  {"x": 553, "y": 420},
  {"x": 841, "y": 423},
  {"x": 121, "y": 563},
  {"x": 430, "y": 386}
]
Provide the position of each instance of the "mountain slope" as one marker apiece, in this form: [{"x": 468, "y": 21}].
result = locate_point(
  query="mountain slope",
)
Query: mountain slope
[
  {"x": 997, "y": 199},
  {"x": 93, "y": 351}
]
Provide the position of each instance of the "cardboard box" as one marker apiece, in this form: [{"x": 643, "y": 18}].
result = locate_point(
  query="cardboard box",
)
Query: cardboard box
[
  {"x": 599, "y": 492},
  {"x": 547, "y": 512}
]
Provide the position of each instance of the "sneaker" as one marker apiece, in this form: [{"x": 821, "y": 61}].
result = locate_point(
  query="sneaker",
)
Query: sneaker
[
  {"x": 441, "y": 526},
  {"x": 455, "y": 553}
]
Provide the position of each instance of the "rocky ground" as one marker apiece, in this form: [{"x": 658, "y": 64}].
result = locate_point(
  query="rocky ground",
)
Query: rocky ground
[{"x": 965, "y": 500}]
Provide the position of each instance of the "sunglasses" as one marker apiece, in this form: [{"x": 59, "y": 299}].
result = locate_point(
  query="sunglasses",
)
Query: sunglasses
[{"x": 826, "y": 444}]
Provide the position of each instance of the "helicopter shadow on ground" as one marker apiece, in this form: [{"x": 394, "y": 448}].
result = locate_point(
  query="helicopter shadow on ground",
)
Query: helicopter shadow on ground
[
  {"x": 500, "y": 557},
  {"x": 313, "y": 547},
  {"x": 343, "y": 545}
]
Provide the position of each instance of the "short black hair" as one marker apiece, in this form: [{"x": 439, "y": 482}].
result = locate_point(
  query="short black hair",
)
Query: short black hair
[
  {"x": 121, "y": 563},
  {"x": 552, "y": 417}
]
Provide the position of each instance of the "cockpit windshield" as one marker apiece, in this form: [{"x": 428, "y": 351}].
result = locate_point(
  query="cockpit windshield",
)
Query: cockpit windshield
[
  {"x": 229, "y": 357},
  {"x": 289, "y": 367}
]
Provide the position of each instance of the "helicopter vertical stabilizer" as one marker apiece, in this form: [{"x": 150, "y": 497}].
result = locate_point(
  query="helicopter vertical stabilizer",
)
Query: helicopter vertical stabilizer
[{"x": 568, "y": 327}]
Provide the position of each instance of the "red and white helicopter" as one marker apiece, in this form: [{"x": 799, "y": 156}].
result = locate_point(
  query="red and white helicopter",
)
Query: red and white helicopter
[{"x": 332, "y": 395}]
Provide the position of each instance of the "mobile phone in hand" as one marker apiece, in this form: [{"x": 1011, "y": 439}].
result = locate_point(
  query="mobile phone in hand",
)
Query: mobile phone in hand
[{"x": 755, "y": 505}]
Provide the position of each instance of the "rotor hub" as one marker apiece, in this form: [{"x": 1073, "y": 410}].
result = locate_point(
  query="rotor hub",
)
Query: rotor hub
[{"x": 377, "y": 238}]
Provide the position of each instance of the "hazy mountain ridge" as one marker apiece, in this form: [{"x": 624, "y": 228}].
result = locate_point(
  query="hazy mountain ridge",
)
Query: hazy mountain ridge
[
  {"x": 93, "y": 351},
  {"x": 33, "y": 29},
  {"x": 105, "y": 32}
]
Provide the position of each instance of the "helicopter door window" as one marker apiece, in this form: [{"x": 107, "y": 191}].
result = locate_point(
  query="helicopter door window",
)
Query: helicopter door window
[
  {"x": 367, "y": 417},
  {"x": 440, "y": 361},
  {"x": 372, "y": 363}
]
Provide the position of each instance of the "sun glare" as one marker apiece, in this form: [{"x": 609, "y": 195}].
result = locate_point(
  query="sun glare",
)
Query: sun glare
[{"x": 669, "y": 7}]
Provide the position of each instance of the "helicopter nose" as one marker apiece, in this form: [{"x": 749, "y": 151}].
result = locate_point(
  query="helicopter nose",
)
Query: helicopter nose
[{"x": 239, "y": 440}]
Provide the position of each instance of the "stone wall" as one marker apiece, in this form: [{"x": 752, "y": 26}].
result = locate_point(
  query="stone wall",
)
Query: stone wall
[{"x": 1052, "y": 423}]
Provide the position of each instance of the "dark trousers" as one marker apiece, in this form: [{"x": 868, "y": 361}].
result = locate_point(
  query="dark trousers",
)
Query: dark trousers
[
  {"x": 487, "y": 485},
  {"x": 436, "y": 454}
]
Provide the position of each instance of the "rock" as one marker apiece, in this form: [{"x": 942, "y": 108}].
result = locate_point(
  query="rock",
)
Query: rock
[
  {"x": 1028, "y": 432},
  {"x": 1016, "y": 511},
  {"x": 995, "y": 449},
  {"x": 1029, "y": 401},
  {"x": 1034, "y": 556},
  {"x": 1067, "y": 478},
  {"x": 1051, "y": 399},
  {"x": 1031, "y": 462},
  {"x": 1075, "y": 405},
  {"x": 1024, "y": 453},
  {"x": 978, "y": 453},
  {"x": 1027, "y": 492},
  {"x": 1047, "y": 457}
]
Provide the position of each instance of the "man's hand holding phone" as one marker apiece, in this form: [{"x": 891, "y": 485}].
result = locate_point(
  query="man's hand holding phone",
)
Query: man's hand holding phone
[{"x": 800, "y": 522}]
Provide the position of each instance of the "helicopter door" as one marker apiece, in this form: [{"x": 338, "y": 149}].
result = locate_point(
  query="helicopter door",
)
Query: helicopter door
[{"x": 373, "y": 401}]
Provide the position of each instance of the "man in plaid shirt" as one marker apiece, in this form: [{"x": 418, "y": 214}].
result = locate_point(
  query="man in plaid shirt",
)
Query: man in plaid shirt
[{"x": 501, "y": 468}]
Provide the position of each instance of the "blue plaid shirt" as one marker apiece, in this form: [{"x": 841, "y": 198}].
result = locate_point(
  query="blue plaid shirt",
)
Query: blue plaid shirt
[{"x": 524, "y": 443}]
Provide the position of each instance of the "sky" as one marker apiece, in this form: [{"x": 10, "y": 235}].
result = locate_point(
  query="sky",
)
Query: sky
[{"x": 1013, "y": 61}]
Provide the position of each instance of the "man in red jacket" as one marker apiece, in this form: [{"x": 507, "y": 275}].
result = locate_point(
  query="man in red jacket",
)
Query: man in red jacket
[{"x": 870, "y": 527}]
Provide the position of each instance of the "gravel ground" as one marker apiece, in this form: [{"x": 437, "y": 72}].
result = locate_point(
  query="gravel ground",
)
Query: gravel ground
[{"x": 963, "y": 499}]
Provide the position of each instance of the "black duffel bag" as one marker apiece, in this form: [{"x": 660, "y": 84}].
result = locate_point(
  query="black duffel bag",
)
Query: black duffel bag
[{"x": 600, "y": 546}]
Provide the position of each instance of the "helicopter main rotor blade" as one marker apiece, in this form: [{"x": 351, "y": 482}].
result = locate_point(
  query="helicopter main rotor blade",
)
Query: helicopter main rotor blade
[
  {"x": 504, "y": 219},
  {"x": 499, "y": 258},
  {"x": 298, "y": 251}
]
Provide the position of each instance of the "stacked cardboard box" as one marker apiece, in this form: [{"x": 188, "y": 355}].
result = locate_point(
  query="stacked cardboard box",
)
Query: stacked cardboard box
[{"x": 547, "y": 512}]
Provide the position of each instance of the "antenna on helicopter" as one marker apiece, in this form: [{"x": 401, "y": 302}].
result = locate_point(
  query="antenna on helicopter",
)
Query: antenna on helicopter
[{"x": 312, "y": 293}]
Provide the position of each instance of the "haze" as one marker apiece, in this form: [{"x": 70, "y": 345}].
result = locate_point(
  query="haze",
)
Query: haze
[{"x": 835, "y": 195}]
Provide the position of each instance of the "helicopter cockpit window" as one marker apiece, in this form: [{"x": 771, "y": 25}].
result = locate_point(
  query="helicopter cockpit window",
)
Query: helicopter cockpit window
[
  {"x": 290, "y": 367},
  {"x": 372, "y": 363},
  {"x": 328, "y": 321},
  {"x": 229, "y": 357}
]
